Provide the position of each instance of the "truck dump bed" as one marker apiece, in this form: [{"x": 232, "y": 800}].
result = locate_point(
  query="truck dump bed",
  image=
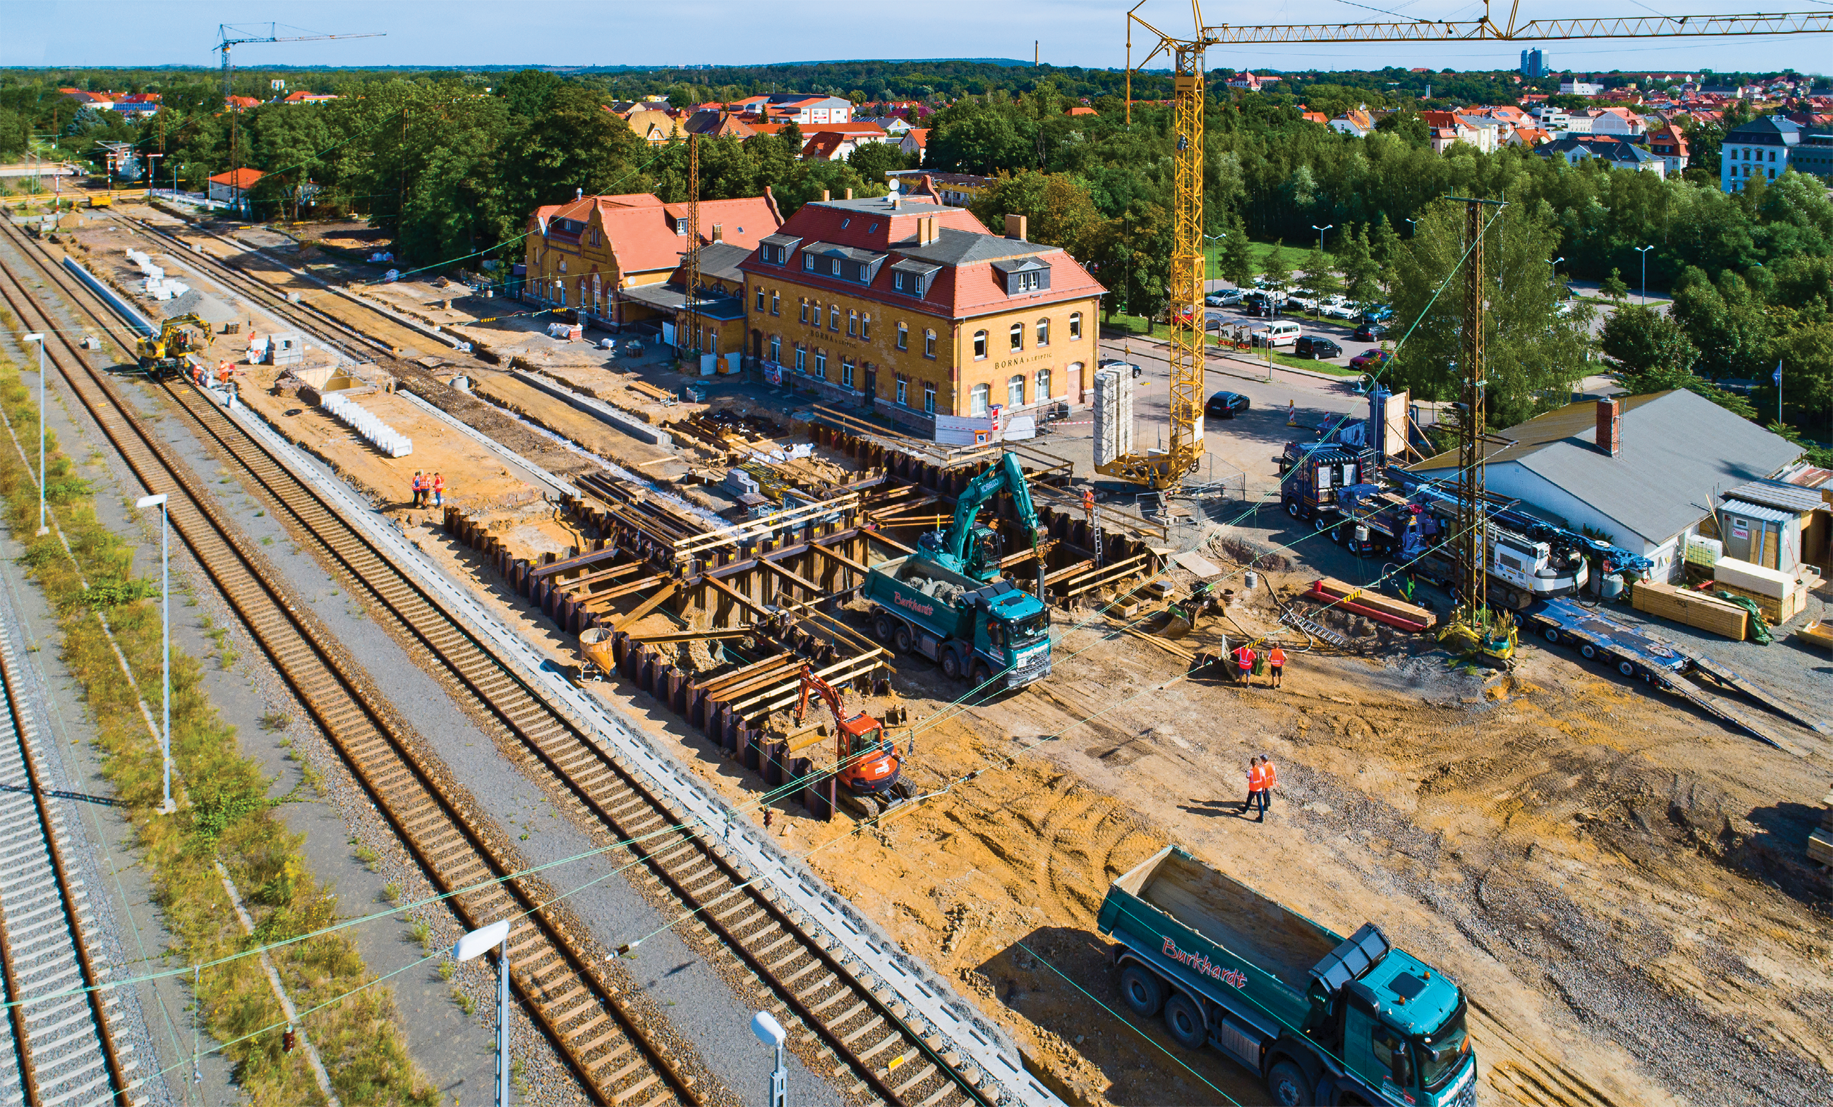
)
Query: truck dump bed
[{"x": 1253, "y": 928}]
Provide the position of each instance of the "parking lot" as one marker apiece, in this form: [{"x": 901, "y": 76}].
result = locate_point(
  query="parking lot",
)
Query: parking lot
[{"x": 1342, "y": 332}]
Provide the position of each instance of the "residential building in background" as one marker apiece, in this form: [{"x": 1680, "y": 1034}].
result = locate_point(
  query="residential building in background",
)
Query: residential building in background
[
  {"x": 1574, "y": 87},
  {"x": 1533, "y": 63},
  {"x": 232, "y": 188},
  {"x": 956, "y": 190},
  {"x": 1612, "y": 151},
  {"x": 919, "y": 313},
  {"x": 1759, "y": 148},
  {"x": 1667, "y": 143}
]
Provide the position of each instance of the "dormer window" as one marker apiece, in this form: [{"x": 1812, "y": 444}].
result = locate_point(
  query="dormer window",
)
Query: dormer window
[
  {"x": 681, "y": 226},
  {"x": 808, "y": 262},
  {"x": 833, "y": 265}
]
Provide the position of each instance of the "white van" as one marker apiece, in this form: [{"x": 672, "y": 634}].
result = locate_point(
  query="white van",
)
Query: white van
[{"x": 1282, "y": 333}]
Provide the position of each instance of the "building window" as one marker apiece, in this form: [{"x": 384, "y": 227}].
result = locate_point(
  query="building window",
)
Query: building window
[
  {"x": 1015, "y": 391},
  {"x": 598, "y": 294},
  {"x": 980, "y": 345},
  {"x": 977, "y": 399},
  {"x": 833, "y": 266},
  {"x": 1043, "y": 332},
  {"x": 808, "y": 262},
  {"x": 1043, "y": 385},
  {"x": 804, "y": 309},
  {"x": 1018, "y": 336},
  {"x": 801, "y": 359},
  {"x": 833, "y": 317},
  {"x": 821, "y": 364},
  {"x": 929, "y": 399},
  {"x": 712, "y": 343},
  {"x": 852, "y": 323},
  {"x": 760, "y": 297},
  {"x": 903, "y": 337},
  {"x": 776, "y": 303},
  {"x": 680, "y": 226},
  {"x": 846, "y": 372},
  {"x": 865, "y": 325},
  {"x": 903, "y": 392},
  {"x": 929, "y": 343},
  {"x": 776, "y": 348}
]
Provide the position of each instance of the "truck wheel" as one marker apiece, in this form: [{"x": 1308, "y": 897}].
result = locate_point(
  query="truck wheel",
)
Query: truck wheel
[
  {"x": 884, "y": 628},
  {"x": 1551, "y": 634},
  {"x": 1286, "y": 1084},
  {"x": 1627, "y": 669},
  {"x": 900, "y": 639},
  {"x": 1184, "y": 1019},
  {"x": 982, "y": 674},
  {"x": 1293, "y": 510},
  {"x": 1588, "y": 651},
  {"x": 951, "y": 665},
  {"x": 1141, "y": 991}
]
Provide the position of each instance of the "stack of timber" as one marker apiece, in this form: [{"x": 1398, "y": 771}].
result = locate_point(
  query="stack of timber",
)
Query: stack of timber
[
  {"x": 1693, "y": 609},
  {"x": 1779, "y": 596},
  {"x": 1382, "y": 609},
  {"x": 1820, "y": 842}
]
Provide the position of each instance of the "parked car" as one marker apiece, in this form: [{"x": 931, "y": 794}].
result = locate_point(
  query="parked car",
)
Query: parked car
[
  {"x": 1258, "y": 307},
  {"x": 1224, "y": 405},
  {"x": 1316, "y": 346},
  {"x": 1338, "y": 308},
  {"x": 1371, "y": 361},
  {"x": 1224, "y": 297},
  {"x": 1377, "y": 313},
  {"x": 1371, "y": 332}
]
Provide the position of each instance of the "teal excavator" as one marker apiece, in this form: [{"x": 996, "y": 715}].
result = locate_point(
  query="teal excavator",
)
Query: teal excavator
[{"x": 973, "y": 550}]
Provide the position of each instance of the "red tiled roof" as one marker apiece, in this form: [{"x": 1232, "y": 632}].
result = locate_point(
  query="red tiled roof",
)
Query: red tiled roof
[
  {"x": 918, "y": 135},
  {"x": 823, "y": 145},
  {"x": 1316, "y": 117},
  {"x": 959, "y": 291},
  {"x": 640, "y": 228},
  {"x": 239, "y": 178},
  {"x": 1082, "y": 110},
  {"x": 242, "y": 102}
]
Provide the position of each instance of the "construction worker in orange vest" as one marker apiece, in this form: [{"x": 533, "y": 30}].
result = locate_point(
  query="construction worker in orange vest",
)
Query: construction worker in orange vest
[
  {"x": 439, "y": 490},
  {"x": 1276, "y": 664},
  {"x": 1256, "y": 789},
  {"x": 1244, "y": 664},
  {"x": 419, "y": 486},
  {"x": 1269, "y": 779}
]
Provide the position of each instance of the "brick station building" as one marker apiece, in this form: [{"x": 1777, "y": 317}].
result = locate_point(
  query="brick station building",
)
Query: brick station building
[{"x": 918, "y": 311}]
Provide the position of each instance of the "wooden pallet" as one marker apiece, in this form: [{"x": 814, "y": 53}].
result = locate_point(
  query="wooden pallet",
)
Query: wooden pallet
[{"x": 1693, "y": 609}]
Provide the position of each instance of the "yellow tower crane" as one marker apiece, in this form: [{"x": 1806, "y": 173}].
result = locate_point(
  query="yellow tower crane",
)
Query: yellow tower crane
[{"x": 1167, "y": 470}]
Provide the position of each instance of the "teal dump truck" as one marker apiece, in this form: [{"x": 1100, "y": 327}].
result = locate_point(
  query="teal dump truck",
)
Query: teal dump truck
[
  {"x": 972, "y": 629},
  {"x": 1323, "y": 1019}
]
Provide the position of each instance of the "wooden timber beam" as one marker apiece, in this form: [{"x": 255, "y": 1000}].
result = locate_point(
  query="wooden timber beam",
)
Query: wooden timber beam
[
  {"x": 797, "y": 578},
  {"x": 745, "y": 631},
  {"x": 840, "y": 557},
  {"x": 662, "y": 596},
  {"x": 1067, "y": 571},
  {"x": 1109, "y": 575},
  {"x": 597, "y": 601}
]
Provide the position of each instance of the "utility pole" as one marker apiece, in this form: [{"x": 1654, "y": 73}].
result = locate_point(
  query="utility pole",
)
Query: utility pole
[
  {"x": 1643, "y": 250},
  {"x": 691, "y": 270}
]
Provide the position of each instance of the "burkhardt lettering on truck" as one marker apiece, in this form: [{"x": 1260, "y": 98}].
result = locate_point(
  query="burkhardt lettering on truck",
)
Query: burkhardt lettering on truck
[{"x": 1324, "y": 1020}]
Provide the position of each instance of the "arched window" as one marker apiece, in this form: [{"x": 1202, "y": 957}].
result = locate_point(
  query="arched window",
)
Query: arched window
[
  {"x": 760, "y": 297},
  {"x": 980, "y": 347},
  {"x": 1043, "y": 385},
  {"x": 852, "y": 322},
  {"x": 776, "y": 348},
  {"x": 977, "y": 399},
  {"x": 833, "y": 317},
  {"x": 821, "y": 364},
  {"x": 598, "y": 294},
  {"x": 903, "y": 337},
  {"x": 1015, "y": 391},
  {"x": 1075, "y": 326},
  {"x": 776, "y": 302},
  {"x": 865, "y": 325},
  {"x": 929, "y": 343},
  {"x": 1043, "y": 332},
  {"x": 804, "y": 309},
  {"x": 1018, "y": 336}
]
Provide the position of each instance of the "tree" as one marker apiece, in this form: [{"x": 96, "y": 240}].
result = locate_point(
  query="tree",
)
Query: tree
[
  {"x": 874, "y": 159},
  {"x": 1361, "y": 273},
  {"x": 1320, "y": 277},
  {"x": 1236, "y": 263},
  {"x": 1057, "y": 207},
  {"x": 1534, "y": 353},
  {"x": 1275, "y": 269},
  {"x": 1613, "y": 286},
  {"x": 1637, "y": 339}
]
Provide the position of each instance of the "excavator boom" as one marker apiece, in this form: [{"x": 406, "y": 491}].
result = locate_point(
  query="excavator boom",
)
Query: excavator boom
[{"x": 957, "y": 548}]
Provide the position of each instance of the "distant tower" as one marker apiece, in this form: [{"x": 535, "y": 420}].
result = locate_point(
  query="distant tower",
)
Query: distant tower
[{"x": 1533, "y": 63}]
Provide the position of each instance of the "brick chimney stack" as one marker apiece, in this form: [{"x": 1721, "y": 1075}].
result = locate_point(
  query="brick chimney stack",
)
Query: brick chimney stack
[
  {"x": 1015, "y": 227},
  {"x": 1610, "y": 426}
]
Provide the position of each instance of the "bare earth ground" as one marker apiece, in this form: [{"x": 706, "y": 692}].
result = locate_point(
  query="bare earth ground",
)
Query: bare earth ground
[{"x": 1618, "y": 882}]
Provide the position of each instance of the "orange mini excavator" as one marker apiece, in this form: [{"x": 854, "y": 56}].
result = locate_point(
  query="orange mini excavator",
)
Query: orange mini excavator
[{"x": 868, "y": 764}]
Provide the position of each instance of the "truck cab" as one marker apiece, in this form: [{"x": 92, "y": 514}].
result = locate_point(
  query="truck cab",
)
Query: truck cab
[
  {"x": 1011, "y": 635},
  {"x": 1399, "y": 1028},
  {"x": 1312, "y": 473}
]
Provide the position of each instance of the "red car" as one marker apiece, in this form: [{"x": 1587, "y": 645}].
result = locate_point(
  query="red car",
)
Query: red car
[{"x": 1371, "y": 361}]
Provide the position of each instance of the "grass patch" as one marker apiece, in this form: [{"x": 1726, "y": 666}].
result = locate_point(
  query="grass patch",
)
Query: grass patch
[{"x": 226, "y": 816}]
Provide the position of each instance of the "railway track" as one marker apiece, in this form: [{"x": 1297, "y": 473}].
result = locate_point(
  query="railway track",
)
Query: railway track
[
  {"x": 59, "y": 1050},
  {"x": 858, "y": 1037}
]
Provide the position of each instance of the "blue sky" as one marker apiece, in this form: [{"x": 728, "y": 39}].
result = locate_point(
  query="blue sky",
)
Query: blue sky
[{"x": 673, "y": 32}]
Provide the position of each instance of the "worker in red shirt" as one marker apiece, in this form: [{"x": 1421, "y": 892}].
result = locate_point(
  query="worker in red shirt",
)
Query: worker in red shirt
[
  {"x": 1276, "y": 664},
  {"x": 439, "y": 490},
  {"x": 1256, "y": 789},
  {"x": 1244, "y": 664}
]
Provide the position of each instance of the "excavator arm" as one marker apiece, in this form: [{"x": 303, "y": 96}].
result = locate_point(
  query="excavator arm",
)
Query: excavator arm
[
  {"x": 952, "y": 548},
  {"x": 813, "y": 683}
]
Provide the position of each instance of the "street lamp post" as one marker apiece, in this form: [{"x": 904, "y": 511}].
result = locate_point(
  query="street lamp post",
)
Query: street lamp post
[
  {"x": 770, "y": 1033},
  {"x": 1643, "y": 250},
  {"x": 40, "y": 339},
  {"x": 1320, "y": 233},
  {"x": 152, "y": 174},
  {"x": 470, "y": 946},
  {"x": 165, "y": 620},
  {"x": 1412, "y": 227}
]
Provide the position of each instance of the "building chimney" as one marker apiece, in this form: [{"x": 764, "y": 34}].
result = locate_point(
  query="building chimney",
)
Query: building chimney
[
  {"x": 719, "y": 234},
  {"x": 849, "y": 194},
  {"x": 826, "y": 195},
  {"x": 1015, "y": 227},
  {"x": 579, "y": 194},
  {"x": 1610, "y": 426},
  {"x": 933, "y": 232}
]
